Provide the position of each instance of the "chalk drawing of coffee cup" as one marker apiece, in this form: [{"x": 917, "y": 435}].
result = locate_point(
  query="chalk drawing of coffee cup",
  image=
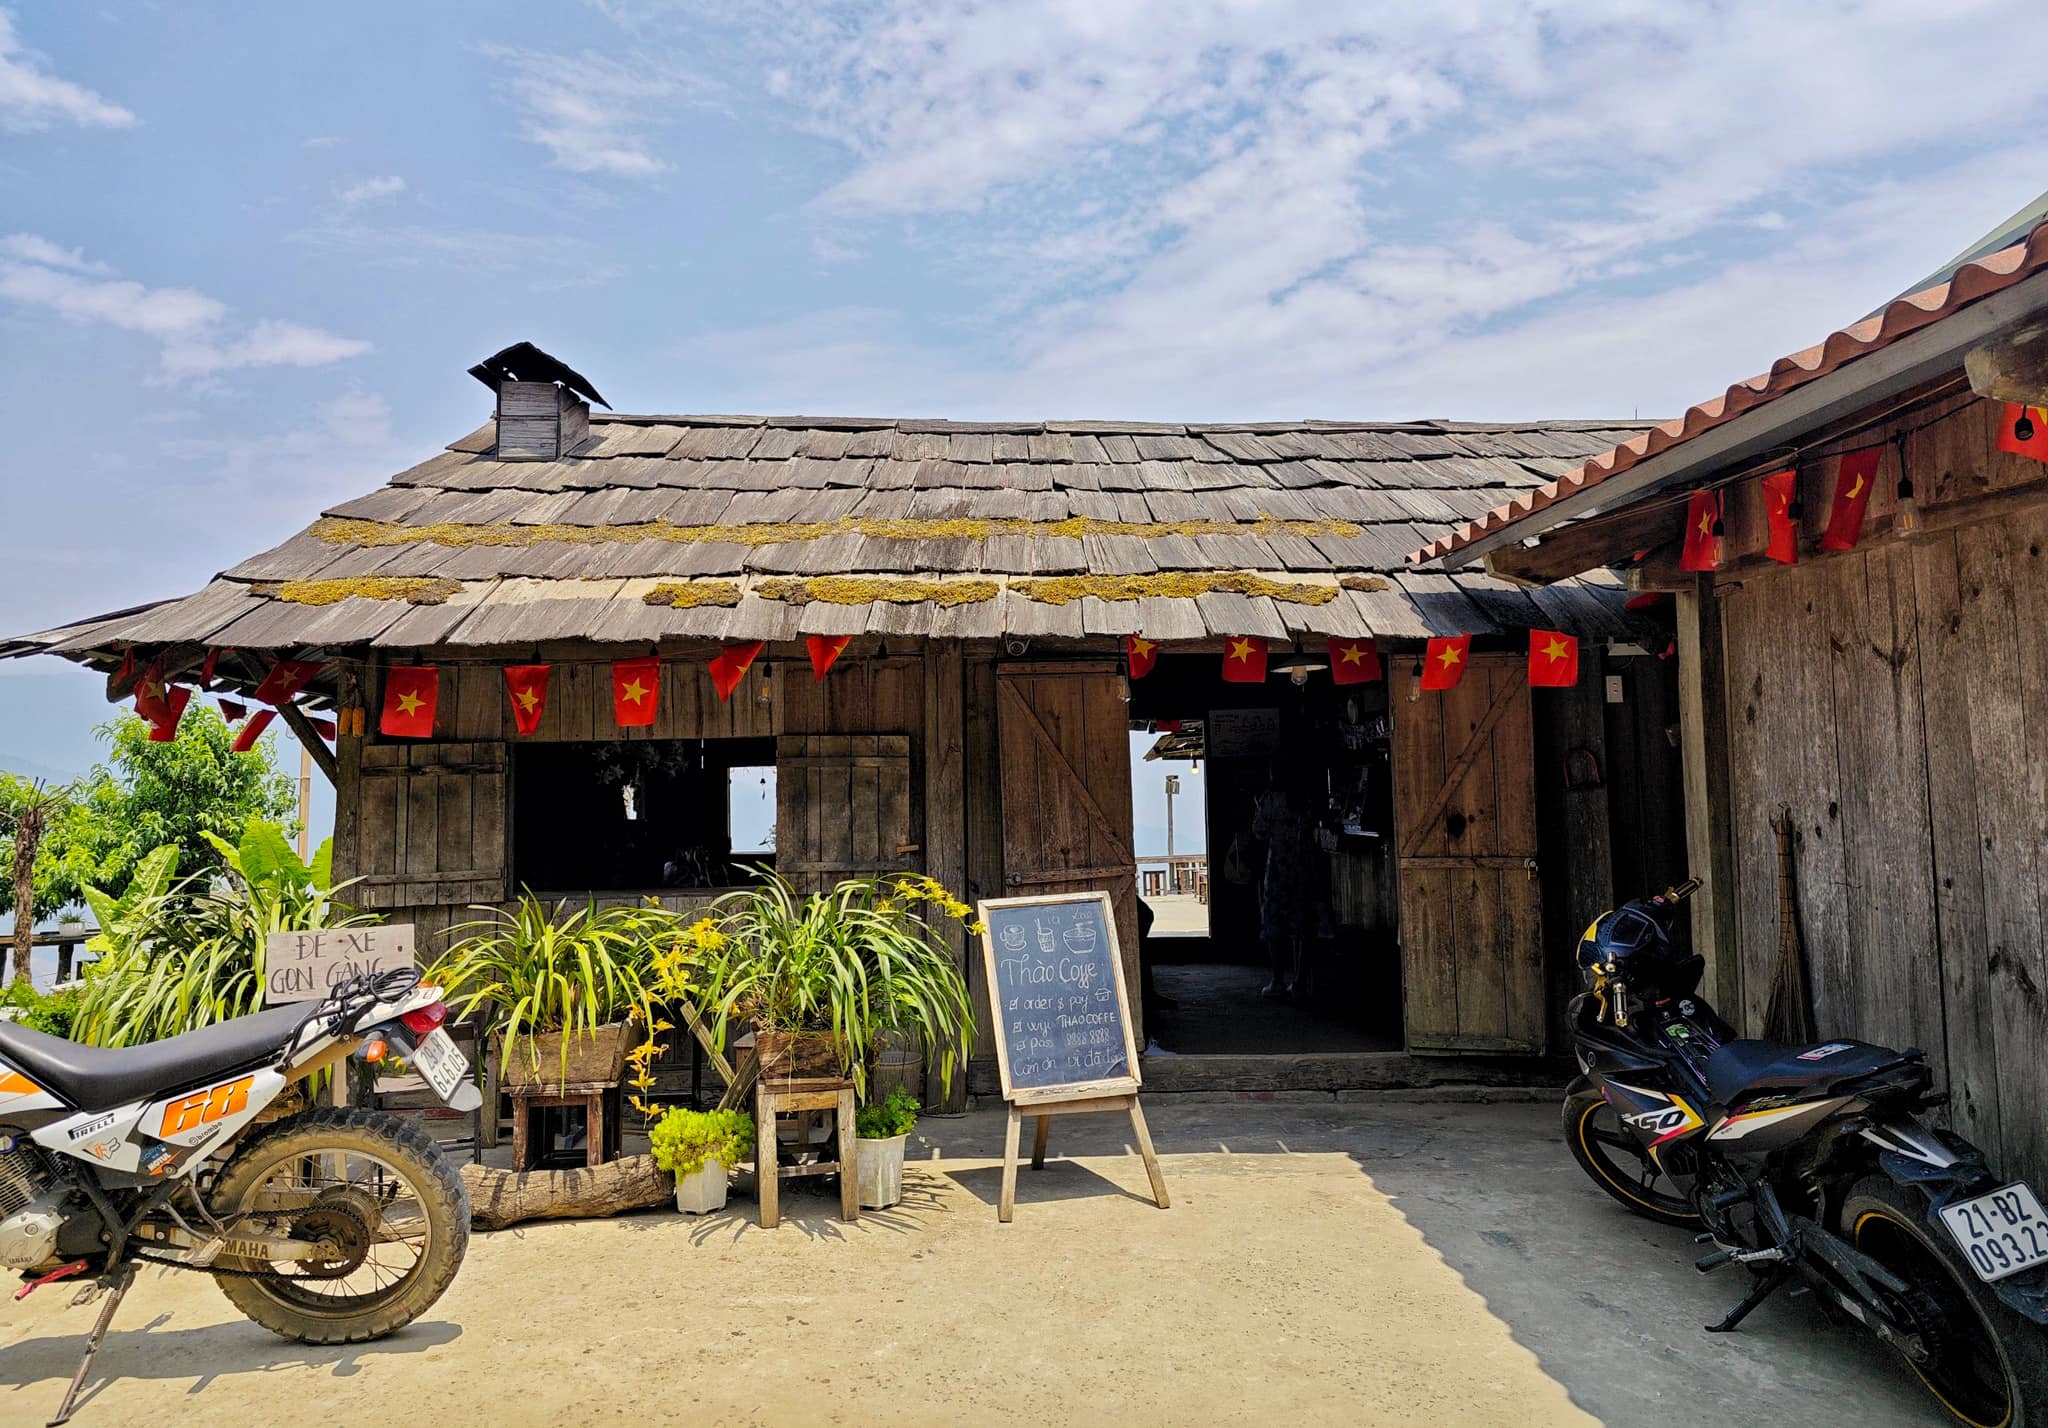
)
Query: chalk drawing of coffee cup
[
  {"x": 1081, "y": 938},
  {"x": 1045, "y": 942},
  {"x": 1013, "y": 938}
]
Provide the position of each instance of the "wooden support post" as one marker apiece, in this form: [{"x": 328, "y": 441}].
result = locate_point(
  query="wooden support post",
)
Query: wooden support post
[
  {"x": 945, "y": 828},
  {"x": 1710, "y": 849},
  {"x": 310, "y": 740},
  {"x": 1006, "y": 1206},
  {"x": 1044, "y": 1111},
  {"x": 849, "y": 1158},
  {"x": 767, "y": 1180}
]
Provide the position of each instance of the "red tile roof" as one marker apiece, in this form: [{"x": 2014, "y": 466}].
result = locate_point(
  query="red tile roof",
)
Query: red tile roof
[{"x": 1902, "y": 316}]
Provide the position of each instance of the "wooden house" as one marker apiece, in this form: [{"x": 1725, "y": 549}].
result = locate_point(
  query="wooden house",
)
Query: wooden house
[
  {"x": 1886, "y": 699},
  {"x": 978, "y": 725}
]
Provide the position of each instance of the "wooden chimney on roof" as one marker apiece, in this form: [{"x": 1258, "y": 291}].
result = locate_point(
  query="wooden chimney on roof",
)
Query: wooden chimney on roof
[{"x": 543, "y": 404}]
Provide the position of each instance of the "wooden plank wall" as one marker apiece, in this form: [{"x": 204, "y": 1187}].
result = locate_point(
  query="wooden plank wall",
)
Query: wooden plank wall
[
  {"x": 915, "y": 735},
  {"x": 1895, "y": 699}
]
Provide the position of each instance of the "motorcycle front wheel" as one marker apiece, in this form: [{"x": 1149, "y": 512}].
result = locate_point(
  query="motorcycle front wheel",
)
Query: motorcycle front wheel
[
  {"x": 375, "y": 1193},
  {"x": 1617, "y": 1162},
  {"x": 1988, "y": 1366}
]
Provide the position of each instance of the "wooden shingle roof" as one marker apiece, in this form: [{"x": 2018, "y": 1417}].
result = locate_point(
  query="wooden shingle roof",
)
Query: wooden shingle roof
[{"x": 744, "y": 527}]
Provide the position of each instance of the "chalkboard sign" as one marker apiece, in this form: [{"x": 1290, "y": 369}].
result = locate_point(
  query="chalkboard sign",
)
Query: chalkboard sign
[{"x": 1055, "y": 975}]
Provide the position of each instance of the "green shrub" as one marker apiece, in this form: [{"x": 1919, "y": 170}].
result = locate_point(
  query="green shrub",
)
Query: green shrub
[
  {"x": 175, "y": 957},
  {"x": 894, "y": 1115},
  {"x": 683, "y": 1140},
  {"x": 51, "y": 1012},
  {"x": 538, "y": 968}
]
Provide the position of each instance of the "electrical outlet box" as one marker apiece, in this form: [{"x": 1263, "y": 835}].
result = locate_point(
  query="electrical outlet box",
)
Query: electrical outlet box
[{"x": 1614, "y": 689}]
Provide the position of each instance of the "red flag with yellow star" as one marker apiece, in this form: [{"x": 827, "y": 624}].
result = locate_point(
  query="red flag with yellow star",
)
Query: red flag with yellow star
[
  {"x": 1702, "y": 547},
  {"x": 1353, "y": 661},
  {"x": 526, "y": 685},
  {"x": 1781, "y": 489},
  {"x": 150, "y": 694},
  {"x": 412, "y": 693},
  {"x": 824, "y": 650},
  {"x": 253, "y": 730},
  {"x": 2031, "y": 420},
  {"x": 636, "y": 691},
  {"x": 1244, "y": 660},
  {"x": 1140, "y": 654},
  {"x": 731, "y": 665},
  {"x": 1553, "y": 660},
  {"x": 1853, "y": 481},
  {"x": 1443, "y": 663},
  {"x": 165, "y": 729},
  {"x": 286, "y": 678}
]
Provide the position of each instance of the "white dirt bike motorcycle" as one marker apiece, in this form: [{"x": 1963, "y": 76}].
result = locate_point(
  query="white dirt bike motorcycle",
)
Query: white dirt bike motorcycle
[{"x": 329, "y": 1225}]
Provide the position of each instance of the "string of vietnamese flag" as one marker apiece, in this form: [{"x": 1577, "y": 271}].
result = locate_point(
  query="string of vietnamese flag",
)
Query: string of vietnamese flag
[{"x": 1553, "y": 660}]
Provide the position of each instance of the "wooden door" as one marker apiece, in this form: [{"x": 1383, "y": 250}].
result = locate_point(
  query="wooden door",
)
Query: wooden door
[
  {"x": 423, "y": 825},
  {"x": 1471, "y": 903},
  {"x": 1066, "y": 757}
]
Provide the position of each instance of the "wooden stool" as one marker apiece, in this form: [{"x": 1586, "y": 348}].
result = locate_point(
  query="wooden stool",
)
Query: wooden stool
[
  {"x": 774, "y": 1098},
  {"x": 600, "y": 1102}
]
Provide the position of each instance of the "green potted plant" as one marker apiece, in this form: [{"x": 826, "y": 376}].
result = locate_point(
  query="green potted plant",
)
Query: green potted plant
[
  {"x": 882, "y": 1127},
  {"x": 560, "y": 989},
  {"x": 820, "y": 975},
  {"x": 700, "y": 1148}
]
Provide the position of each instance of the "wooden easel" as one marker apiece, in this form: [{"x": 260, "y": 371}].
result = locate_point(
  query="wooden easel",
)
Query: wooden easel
[
  {"x": 1118, "y": 1093},
  {"x": 1044, "y": 1111}
]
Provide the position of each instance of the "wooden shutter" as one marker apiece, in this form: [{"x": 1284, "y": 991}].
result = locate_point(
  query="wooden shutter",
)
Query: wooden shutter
[
  {"x": 431, "y": 825},
  {"x": 1471, "y": 904},
  {"x": 843, "y": 807}
]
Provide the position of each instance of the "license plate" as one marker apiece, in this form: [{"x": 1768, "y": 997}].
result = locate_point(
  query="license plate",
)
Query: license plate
[
  {"x": 2002, "y": 1233},
  {"x": 441, "y": 1061}
]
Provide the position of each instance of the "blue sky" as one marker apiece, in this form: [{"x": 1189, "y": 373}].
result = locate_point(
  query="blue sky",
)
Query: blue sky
[{"x": 247, "y": 250}]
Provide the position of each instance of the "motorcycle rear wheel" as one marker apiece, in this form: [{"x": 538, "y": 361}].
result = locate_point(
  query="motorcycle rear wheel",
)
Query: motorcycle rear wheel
[
  {"x": 1617, "y": 1163},
  {"x": 375, "y": 1187},
  {"x": 1992, "y": 1372}
]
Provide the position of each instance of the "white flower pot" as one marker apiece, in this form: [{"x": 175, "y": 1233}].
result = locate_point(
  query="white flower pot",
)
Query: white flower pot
[
  {"x": 703, "y": 1192},
  {"x": 881, "y": 1171}
]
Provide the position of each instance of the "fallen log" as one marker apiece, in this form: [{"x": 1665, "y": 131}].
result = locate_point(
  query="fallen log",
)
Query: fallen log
[{"x": 498, "y": 1198}]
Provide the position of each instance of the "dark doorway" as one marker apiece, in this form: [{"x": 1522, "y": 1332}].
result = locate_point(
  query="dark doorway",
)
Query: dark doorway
[{"x": 1296, "y": 952}]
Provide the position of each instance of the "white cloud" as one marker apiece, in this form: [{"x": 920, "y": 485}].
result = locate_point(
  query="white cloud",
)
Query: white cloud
[
  {"x": 371, "y": 190},
  {"x": 30, "y": 248},
  {"x": 33, "y": 98},
  {"x": 589, "y": 112},
  {"x": 1287, "y": 207},
  {"x": 191, "y": 328}
]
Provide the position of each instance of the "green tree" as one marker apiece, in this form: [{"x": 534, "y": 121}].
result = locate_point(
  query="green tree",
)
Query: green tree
[
  {"x": 172, "y": 794},
  {"x": 32, "y": 886}
]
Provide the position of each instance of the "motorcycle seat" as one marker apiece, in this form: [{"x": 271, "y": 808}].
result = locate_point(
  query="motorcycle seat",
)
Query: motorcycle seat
[
  {"x": 1738, "y": 1069},
  {"x": 98, "y": 1078}
]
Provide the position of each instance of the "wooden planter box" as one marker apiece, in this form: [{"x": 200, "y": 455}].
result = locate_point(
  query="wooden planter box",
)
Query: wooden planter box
[
  {"x": 797, "y": 1057},
  {"x": 595, "y": 1058}
]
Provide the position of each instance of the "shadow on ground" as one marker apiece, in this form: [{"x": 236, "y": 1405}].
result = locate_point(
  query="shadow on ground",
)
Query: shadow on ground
[
  {"x": 1611, "y": 1305},
  {"x": 213, "y": 1351}
]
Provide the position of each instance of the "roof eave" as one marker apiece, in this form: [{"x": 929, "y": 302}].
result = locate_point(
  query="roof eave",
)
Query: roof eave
[{"x": 1897, "y": 367}]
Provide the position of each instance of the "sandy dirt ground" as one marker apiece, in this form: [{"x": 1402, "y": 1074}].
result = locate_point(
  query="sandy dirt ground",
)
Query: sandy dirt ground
[{"x": 1279, "y": 1288}]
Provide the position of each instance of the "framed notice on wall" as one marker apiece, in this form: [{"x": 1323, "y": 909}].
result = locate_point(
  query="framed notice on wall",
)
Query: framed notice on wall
[{"x": 1062, "y": 1019}]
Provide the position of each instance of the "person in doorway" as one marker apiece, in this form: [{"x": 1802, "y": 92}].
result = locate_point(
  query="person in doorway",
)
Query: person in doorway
[{"x": 1281, "y": 817}]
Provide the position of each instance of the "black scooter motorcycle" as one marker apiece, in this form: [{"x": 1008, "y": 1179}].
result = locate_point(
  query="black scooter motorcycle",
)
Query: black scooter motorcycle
[{"x": 1809, "y": 1163}]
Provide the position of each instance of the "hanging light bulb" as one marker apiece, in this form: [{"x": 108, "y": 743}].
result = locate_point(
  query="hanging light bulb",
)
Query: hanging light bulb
[
  {"x": 2023, "y": 425},
  {"x": 1906, "y": 519},
  {"x": 1718, "y": 533},
  {"x": 1415, "y": 684}
]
